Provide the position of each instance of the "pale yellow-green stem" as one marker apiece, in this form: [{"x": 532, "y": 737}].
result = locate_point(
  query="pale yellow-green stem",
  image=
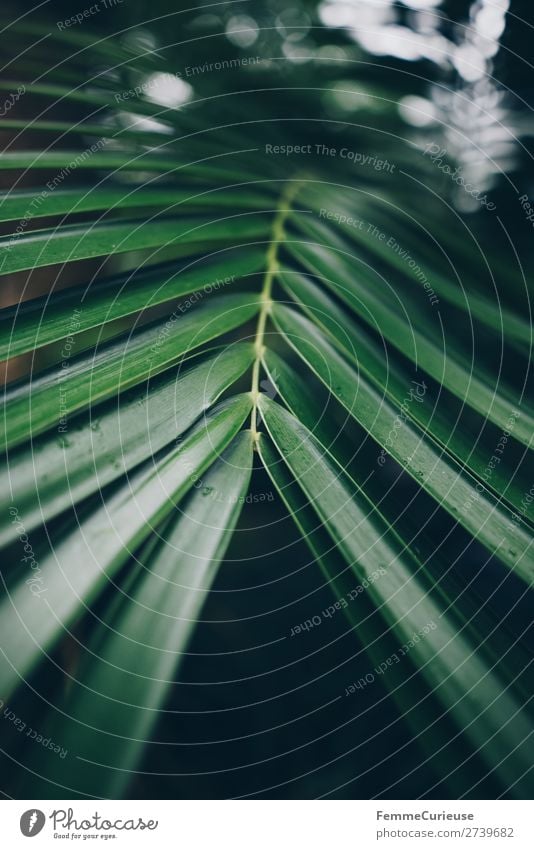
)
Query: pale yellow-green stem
[{"x": 277, "y": 237}]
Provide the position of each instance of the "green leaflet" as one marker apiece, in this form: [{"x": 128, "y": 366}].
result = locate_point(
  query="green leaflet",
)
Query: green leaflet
[
  {"x": 74, "y": 241},
  {"x": 470, "y": 691},
  {"x": 95, "y": 158},
  {"x": 410, "y": 525},
  {"x": 82, "y": 562},
  {"x": 62, "y": 128},
  {"x": 439, "y": 474},
  {"x": 367, "y": 623},
  {"x": 38, "y": 322},
  {"x": 93, "y": 97},
  {"x": 444, "y": 366},
  {"x": 112, "y": 439},
  {"x": 394, "y": 381},
  {"x": 37, "y": 404},
  {"x": 19, "y": 205},
  {"x": 88, "y": 46},
  {"x": 462, "y": 241},
  {"x": 136, "y": 650},
  {"x": 500, "y": 320}
]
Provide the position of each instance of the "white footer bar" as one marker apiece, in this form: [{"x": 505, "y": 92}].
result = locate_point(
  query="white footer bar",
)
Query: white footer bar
[{"x": 269, "y": 824}]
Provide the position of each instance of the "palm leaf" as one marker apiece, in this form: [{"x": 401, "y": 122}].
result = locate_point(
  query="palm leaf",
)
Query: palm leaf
[
  {"x": 403, "y": 597},
  {"x": 138, "y": 645},
  {"x": 234, "y": 320}
]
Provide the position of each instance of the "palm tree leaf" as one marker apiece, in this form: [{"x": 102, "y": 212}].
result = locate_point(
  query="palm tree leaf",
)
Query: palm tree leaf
[
  {"x": 74, "y": 242},
  {"x": 35, "y": 405},
  {"x": 103, "y": 542},
  {"x": 375, "y": 640},
  {"x": 499, "y": 319},
  {"x": 471, "y": 692},
  {"x": 436, "y": 472},
  {"x": 136, "y": 650},
  {"x": 104, "y": 444},
  {"x": 395, "y": 421},
  {"x": 444, "y": 366},
  {"x": 44, "y": 320},
  {"x": 431, "y": 412},
  {"x": 62, "y": 163},
  {"x": 19, "y": 205}
]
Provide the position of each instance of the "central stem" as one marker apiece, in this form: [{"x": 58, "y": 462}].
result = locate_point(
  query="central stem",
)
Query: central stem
[{"x": 277, "y": 236}]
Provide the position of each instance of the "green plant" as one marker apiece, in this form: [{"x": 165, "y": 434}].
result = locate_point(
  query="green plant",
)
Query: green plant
[{"x": 250, "y": 319}]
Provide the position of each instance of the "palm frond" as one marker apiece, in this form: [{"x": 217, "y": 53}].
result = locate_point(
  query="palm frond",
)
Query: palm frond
[{"x": 214, "y": 268}]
